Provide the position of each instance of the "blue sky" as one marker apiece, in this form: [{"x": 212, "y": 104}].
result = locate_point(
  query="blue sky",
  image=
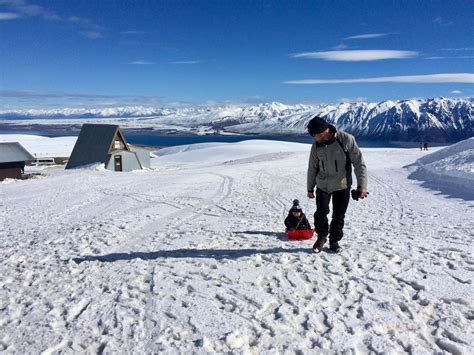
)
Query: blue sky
[{"x": 107, "y": 53}]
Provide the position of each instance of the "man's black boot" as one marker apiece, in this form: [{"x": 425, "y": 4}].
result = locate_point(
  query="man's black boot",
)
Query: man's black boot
[
  {"x": 318, "y": 246},
  {"x": 334, "y": 246}
]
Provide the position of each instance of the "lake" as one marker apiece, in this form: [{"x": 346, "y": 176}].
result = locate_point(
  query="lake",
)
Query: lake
[{"x": 160, "y": 140}]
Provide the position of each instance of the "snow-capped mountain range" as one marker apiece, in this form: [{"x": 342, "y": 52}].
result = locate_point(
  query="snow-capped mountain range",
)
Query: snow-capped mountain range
[{"x": 434, "y": 119}]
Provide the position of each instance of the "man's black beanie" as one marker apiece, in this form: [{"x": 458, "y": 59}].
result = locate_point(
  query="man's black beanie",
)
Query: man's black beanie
[{"x": 317, "y": 125}]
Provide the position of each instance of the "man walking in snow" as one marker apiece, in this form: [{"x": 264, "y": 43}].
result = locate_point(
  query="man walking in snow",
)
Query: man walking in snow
[{"x": 332, "y": 156}]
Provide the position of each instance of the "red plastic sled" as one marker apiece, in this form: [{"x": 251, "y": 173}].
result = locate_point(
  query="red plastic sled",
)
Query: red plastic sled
[{"x": 300, "y": 234}]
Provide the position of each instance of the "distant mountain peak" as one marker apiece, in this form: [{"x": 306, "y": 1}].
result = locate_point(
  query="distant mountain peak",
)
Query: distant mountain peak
[{"x": 435, "y": 119}]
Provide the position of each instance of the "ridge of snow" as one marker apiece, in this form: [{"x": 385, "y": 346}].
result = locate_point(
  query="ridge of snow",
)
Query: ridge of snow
[{"x": 451, "y": 168}]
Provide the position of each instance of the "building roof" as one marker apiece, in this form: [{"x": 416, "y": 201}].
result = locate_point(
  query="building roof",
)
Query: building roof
[
  {"x": 13, "y": 152},
  {"x": 94, "y": 144}
]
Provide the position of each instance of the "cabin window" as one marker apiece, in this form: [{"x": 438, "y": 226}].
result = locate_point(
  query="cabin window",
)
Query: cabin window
[{"x": 117, "y": 144}]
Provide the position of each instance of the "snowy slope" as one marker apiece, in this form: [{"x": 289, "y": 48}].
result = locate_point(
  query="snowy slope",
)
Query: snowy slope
[
  {"x": 42, "y": 146},
  {"x": 450, "y": 170},
  {"x": 191, "y": 258},
  {"x": 438, "y": 119},
  {"x": 214, "y": 153}
]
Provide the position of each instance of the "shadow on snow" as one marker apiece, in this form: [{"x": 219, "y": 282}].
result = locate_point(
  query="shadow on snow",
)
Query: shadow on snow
[
  {"x": 442, "y": 185},
  {"x": 279, "y": 235},
  {"x": 218, "y": 254}
]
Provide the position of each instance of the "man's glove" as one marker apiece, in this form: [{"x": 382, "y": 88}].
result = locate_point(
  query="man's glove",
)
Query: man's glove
[{"x": 356, "y": 194}]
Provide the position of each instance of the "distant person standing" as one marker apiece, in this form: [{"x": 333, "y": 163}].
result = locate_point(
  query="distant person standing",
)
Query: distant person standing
[
  {"x": 421, "y": 146},
  {"x": 332, "y": 156},
  {"x": 425, "y": 146}
]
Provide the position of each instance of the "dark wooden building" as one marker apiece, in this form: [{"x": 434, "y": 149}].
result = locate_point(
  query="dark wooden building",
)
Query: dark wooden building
[{"x": 13, "y": 158}]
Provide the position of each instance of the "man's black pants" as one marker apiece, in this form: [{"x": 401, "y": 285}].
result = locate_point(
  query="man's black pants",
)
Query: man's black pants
[{"x": 340, "y": 200}]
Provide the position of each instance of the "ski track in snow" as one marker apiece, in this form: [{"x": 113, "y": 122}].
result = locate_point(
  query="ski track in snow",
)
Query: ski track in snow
[{"x": 193, "y": 259}]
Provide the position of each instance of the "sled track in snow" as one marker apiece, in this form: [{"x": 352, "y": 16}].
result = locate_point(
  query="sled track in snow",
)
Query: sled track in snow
[
  {"x": 269, "y": 188},
  {"x": 154, "y": 226},
  {"x": 393, "y": 206}
]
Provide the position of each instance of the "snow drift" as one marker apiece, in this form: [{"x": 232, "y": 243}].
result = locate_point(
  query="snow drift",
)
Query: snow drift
[{"x": 449, "y": 170}]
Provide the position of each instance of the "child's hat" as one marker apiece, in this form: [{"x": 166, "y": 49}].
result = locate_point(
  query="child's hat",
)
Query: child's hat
[{"x": 296, "y": 207}]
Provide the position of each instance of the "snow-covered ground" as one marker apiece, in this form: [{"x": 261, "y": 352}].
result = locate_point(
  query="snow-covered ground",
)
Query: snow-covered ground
[
  {"x": 449, "y": 170},
  {"x": 39, "y": 146},
  {"x": 191, "y": 258}
]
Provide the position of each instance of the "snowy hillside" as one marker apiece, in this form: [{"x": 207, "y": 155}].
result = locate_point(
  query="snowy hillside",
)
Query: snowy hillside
[
  {"x": 450, "y": 170},
  {"x": 42, "y": 146},
  {"x": 435, "y": 120},
  {"x": 190, "y": 257}
]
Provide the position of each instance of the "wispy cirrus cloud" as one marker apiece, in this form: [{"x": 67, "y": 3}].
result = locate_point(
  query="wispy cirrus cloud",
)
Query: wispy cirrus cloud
[
  {"x": 141, "y": 62},
  {"x": 357, "y": 55},
  {"x": 415, "y": 79},
  {"x": 442, "y": 21},
  {"x": 84, "y": 23},
  {"x": 132, "y": 32},
  {"x": 186, "y": 62},
  {"x": 254, "y": 99},
  {"x": 44, "y": 98},
  {"x": 458, "y": 49},
  {"x": 8, "y": 16},
  {"x": 91, "y": 34},
  {"x": 451, "y": 57},
  {"x": 455, "y": 53},
  {"x": 21, "y": 7},
  {"x": 89, "y": 29},
  {"x": 339, "y": 47},
  {"x": 456, "y": 92},
  {"x": 357, "y": 99},
  {"x": 368, "y": 36},
  {"x": 45, "y": 94}
]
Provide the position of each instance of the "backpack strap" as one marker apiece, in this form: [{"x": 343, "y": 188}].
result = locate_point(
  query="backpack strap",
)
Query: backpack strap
[
  {"x": 348, "y": 159},
  {"x": 340, "y": 143}
]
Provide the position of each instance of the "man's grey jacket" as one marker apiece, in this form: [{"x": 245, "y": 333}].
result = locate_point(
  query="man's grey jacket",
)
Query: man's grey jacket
[{"x": 330, "y": 164}]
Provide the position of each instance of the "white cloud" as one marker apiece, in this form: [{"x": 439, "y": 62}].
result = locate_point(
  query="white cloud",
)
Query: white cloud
[
  {"x": 26, "y": 9},
  {"x": 458, "y": 49},
  {"x": 442, "y": 21},
  {"x": 452, "y": 57},
  {"x": 357, "y": 55},
  {"x": 422, "y": 79},
  {"x": 84, "y": 23},
  {"x": 256, "y": 99},
  {"x": 132, "y": 32},
  {"x": 89, "y": 28},
  {"x": 8, "y": 16},
  {"x": 368, "y": 36},
  {"x": 91, "y": 34},
  {"x": 141, "y": 62},
  {"x": 357, "y": 99},
  {"x": 46, "y": 98},
  {"x": 339, "y": 47},
  {"x": 23, "y": 8},
  {"x": 186, "y": 62},
  {"x": 456, "y": 92}
]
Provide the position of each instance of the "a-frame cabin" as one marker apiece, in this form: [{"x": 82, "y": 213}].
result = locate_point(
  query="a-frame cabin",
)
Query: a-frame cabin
[{"x": 100, "y": 143}]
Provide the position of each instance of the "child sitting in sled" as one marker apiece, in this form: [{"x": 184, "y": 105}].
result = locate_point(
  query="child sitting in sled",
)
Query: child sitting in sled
[{"x": 296, "y": 219}]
